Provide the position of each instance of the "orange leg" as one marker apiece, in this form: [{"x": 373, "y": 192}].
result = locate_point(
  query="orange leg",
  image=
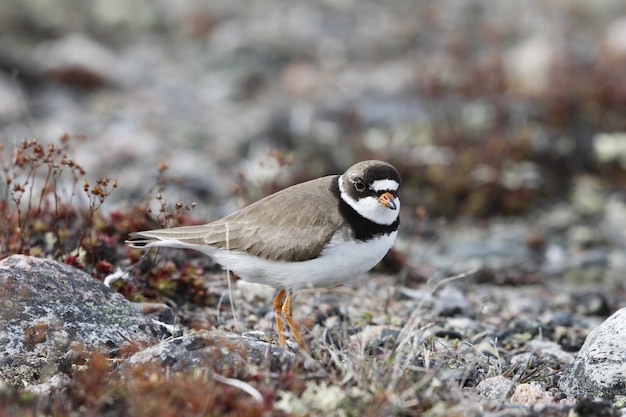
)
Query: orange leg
[
  {"x": 290, "y": 321},
  {"x": 278, "y": 306}
]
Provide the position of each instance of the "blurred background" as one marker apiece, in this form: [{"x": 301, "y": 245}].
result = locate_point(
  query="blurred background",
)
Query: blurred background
[{"x": 488, "y": 109}]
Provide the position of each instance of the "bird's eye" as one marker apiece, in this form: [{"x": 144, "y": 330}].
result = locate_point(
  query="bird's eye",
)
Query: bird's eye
[{"x": 359, "y": 184}]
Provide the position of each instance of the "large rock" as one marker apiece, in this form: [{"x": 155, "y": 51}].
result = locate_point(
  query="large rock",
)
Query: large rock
[
  {"x": 600, "y": 368},
  {"x": 49, "y": 311}
]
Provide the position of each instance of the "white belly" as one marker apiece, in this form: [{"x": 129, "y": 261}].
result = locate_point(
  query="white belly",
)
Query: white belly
[{"x": 339, "y": 262}]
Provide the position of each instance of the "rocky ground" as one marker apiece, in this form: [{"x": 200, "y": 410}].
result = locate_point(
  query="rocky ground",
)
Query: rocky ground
[{"x": 506, "y": 121}]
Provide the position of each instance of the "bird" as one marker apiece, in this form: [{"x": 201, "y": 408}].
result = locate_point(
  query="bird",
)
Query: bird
[{"x": 316, "y": 234}]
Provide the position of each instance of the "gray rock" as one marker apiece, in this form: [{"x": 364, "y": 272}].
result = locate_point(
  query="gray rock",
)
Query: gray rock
[
  {"x": 49, "y": 310},
  {"x": 215, "y": 350},
  {"x": 600, "y": 368}
]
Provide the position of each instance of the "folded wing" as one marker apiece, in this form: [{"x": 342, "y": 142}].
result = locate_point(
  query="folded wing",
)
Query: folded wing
[{"x": 291, "y": 225}]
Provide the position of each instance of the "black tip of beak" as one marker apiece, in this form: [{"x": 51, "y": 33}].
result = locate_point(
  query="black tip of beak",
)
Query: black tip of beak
[{"x": 387, "y": 200}]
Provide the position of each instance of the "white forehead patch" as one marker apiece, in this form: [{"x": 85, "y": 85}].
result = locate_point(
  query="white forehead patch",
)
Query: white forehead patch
[{"x": 385, "y": 185}]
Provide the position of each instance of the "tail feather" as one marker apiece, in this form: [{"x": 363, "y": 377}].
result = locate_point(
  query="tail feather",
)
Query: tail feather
[
  {"x": 181, "y": 235},
  {"x": 137, "y": 240}
]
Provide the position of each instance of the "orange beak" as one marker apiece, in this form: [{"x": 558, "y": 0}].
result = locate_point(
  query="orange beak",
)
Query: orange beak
[{"x": 387, "y": 200}]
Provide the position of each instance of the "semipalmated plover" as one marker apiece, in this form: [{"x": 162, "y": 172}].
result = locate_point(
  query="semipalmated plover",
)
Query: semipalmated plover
[{"x": 320, "y": 233}]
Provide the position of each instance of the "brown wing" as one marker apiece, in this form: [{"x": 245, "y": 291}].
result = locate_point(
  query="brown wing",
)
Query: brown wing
[{"x": 291, "y": 225}]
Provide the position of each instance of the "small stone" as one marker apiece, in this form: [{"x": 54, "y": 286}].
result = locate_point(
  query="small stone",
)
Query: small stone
[
  {"x": 252, "y": 291},
  {"x": 497, "y": 388},
  {"x": 530, "y": 394},
  {"x": 545, "y": 348},
  {"x": 451, "y": 301}
]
